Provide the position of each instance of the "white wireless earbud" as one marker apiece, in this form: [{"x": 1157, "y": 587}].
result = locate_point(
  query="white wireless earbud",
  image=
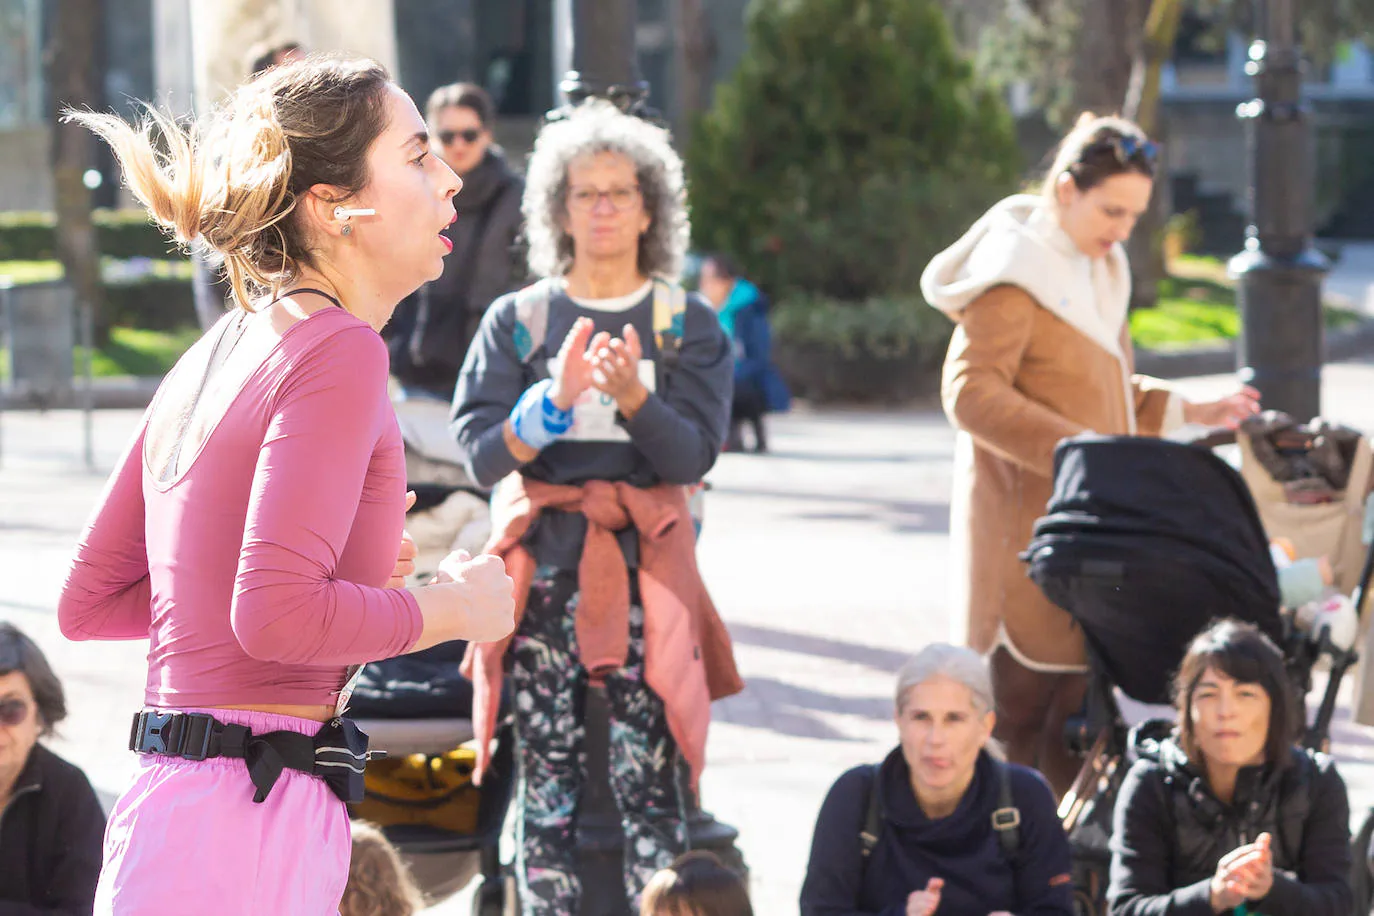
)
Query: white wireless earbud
[{"x": 346, "y": 212}]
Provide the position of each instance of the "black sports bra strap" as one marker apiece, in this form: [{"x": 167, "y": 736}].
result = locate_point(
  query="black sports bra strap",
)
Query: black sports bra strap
[{"x": 309, "y": 289}]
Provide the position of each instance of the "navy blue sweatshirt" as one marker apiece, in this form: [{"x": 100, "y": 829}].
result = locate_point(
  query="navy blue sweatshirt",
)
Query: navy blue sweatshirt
[
  {"x": 962, "y": 849},
  {"x": 674, "y": 438}
]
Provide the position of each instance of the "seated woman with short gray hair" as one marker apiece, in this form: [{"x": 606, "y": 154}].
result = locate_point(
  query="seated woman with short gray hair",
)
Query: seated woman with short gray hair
[{"x": 943, "y": 823}]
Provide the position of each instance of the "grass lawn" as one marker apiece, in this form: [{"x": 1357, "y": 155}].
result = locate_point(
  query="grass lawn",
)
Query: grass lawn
[
  {"x": 1197, "y": 304},
  {"x": 131, "y": 351},
  {"x": 115, "y": 271}
]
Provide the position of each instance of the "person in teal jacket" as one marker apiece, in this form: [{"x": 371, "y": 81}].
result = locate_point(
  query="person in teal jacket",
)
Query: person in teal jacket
[{"x": 743, "y": 311}]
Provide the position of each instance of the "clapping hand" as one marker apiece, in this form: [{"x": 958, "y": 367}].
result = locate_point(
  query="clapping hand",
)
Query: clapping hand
[
  {"x": 615, "y": 371},
  {"x": 924, "y": 903},
  {"x": 1244, "y": 873},
  {"x": 575, "y": 363}
]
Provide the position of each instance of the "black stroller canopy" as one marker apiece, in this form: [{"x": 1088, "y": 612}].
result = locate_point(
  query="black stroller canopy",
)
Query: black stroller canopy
[{"x": 1144, "y": 542}]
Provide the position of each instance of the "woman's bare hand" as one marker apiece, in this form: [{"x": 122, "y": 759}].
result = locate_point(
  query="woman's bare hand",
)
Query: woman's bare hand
[
  {"x": 1228, "y": 411},
  {"x": 485, "y": 595},
  {"x": 574, "y": 362},
  {"x": 615, "y": 371},
  {"x": 924, "y": 903}
]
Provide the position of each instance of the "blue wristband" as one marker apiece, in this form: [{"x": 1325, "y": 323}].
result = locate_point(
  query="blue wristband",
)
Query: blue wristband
[{"x": 538, "y": 422}]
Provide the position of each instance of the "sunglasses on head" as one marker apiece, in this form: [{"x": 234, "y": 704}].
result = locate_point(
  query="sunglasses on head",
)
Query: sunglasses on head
[
  {"x": 1126, "y": 149},
  {"x": 13, "y": 711},
  {"x": 469, "y": 135}
]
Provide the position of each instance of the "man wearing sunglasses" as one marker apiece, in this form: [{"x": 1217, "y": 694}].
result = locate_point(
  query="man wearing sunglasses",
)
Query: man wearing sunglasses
[
  {"x": 431, "y": 329},
  {"x": 51, "y": 823}
]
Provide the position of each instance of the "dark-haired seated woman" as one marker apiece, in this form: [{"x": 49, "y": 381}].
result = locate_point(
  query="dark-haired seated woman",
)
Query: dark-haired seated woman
[
  {"x": 1232, "y": 816},
  {"x": 51, "y": 823}
]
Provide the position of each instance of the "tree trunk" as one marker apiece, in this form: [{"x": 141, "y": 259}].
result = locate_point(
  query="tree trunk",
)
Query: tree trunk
[
  {"x": 1146, "y": 248},
  {"x": 696, "y": 53},
  {"x": 1110, "y": 39},
  {"x": 73, "y": 75}
]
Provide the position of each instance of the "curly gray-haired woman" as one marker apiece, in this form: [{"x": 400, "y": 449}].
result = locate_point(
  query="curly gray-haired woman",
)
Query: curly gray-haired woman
[{"x": 594, "y": 397}]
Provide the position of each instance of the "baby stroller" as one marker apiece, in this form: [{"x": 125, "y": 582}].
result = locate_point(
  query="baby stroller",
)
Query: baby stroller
[
  {"x": 417, "y": 709},
  {"x": 1144, "y": 542}
]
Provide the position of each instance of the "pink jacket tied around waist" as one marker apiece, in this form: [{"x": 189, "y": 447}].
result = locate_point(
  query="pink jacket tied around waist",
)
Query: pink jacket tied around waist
[{"x": 688, "y": 657}]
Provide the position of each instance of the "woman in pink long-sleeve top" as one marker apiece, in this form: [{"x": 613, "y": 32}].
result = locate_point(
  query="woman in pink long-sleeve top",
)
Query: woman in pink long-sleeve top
[{"x": 252, "y": 528}]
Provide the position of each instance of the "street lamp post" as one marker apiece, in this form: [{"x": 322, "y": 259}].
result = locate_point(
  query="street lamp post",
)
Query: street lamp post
[
  {"x": 604, "y": 62},
  {"x": 605, "y": 65},
  {"x": 1280, "y": 274}
]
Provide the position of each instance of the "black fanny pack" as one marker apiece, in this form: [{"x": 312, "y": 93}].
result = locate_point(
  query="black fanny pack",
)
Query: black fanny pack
[{"x": 337, "y": 753}]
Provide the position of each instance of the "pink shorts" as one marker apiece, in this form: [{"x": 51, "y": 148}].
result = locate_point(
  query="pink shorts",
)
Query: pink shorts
[{"x": 186, "y": 837}]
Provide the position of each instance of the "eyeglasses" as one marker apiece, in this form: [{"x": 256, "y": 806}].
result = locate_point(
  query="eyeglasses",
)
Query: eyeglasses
[
  {"x": 13, "y": 712},
  {"x": 1126, "y": 149},
  {"x": 586, "y": 199},
  {"x": 469, "y": 135}
]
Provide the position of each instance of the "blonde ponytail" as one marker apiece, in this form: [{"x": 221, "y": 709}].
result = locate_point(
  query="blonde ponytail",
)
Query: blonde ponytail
[
  {"x": 167, "y": 183},
  {"x": 233, "y": 183}
]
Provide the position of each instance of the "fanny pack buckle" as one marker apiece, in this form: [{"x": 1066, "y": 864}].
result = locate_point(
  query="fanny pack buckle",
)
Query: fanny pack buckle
[{"x": 184, "y": 735}]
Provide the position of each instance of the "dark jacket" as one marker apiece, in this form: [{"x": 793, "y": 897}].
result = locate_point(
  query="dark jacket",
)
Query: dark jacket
[
  {"x": 1170, "y": 831},
  {"x": 50, "y": 840},
  {"x": 962, "y": 849},
  {"x": 430, "y": 331},
  {"x": 757, "y": 381}
]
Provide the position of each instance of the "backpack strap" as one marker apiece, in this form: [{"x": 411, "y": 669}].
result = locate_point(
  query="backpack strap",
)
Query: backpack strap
[
  {"x": 532, "y": 318},
  {"x": 1006, "y": 820},
  {"x": 873, "y": 814},
  {"x": 670, "y": 307}
]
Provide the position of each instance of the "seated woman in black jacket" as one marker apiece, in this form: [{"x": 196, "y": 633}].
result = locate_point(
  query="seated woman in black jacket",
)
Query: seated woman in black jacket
[
  {"x": 51, "y": 823},
  {"x": 1232, "y": 814},
  {"x": 936, "y": 850}
]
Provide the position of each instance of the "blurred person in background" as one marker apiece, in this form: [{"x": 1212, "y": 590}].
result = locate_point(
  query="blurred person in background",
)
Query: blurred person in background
[
  {"x": 1039, "y": 288},
  {"x": 743, "y": 311},
  {"x": 379, "y": 884},
  {"x": 431, "y": 329},
  {"x": 51, "y": 822},
  {"x": 1228, "y": 815},
  {"x": 697, "y": 884},
  {"x": 594, "y": 414},
  {"x": 944, "y": 824}
]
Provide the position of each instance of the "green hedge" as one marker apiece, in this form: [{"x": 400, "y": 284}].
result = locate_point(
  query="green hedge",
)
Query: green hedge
[
  {"x": 151, "y": 304},
  {"x": 886, "y": 348},
  {"x": 32, "y": 236}
]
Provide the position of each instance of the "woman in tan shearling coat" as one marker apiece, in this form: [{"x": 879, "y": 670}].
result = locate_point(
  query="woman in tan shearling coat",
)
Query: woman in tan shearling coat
[{"x": 1039, "y": 288}]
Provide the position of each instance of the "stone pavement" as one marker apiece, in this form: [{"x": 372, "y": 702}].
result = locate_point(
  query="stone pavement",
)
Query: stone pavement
[{"x": 827, "y": 559}]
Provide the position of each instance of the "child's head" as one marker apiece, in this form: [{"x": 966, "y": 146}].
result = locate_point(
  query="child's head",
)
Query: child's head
[
  {"x": 696, "y": 885},
  {"x": 379, "y": 884}
]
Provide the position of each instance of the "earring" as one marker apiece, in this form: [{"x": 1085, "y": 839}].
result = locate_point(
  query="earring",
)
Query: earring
[{"x": 347, "y": 229}]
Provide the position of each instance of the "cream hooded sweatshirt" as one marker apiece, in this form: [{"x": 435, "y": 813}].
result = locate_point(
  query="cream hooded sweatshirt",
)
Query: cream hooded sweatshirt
[{"x": 1019, "y": 243}]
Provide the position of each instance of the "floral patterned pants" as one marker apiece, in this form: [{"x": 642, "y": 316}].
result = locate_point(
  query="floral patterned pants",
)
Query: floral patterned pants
[{"x": 550, "y": 688}]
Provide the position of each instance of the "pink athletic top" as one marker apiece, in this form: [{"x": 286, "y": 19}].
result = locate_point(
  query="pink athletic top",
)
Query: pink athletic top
[{"x": 257, "y": 572}]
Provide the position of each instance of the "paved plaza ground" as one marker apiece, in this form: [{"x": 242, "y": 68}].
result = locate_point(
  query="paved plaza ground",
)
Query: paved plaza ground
[{"x": 827, "y": 559}]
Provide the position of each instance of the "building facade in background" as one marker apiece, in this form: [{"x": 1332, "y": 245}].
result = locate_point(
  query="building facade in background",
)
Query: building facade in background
[{"x": 185, "y": 53}]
